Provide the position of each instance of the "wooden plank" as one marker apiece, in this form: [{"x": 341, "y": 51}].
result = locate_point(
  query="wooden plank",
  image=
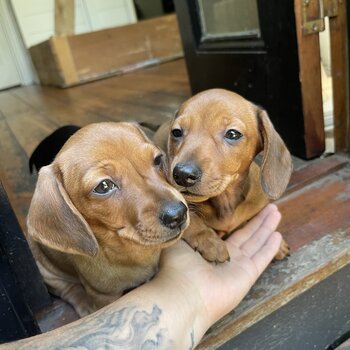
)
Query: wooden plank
[
  {"x": 316, "y": 224},
  {"x": 147, "y": 95},
  {"x": 54, "y": 63},
  {"x": 310, "y": 78},
  {"x": 68, "y": 60},
  {"x": 46, "y": 65},
  {"x": 316, "y": 319},
  {"x": 62, "y": 108},
  {"x": 282, "y": 282},
  {"x": 14, "y": 173},
  {"x": 316, "y": 209},
  {"x": 340, "y": 77},
  {"x": 312, "y": 170},
  {"x": 30, "y": 113},
  {"x": 309, "y": 213},
  {"x": 57, "y": 315},
  {"x": 107, "y": 51},
  {"x": 64, "y": 58},
  {"x": 28, "y": 124},
  {"x": 64, "y": 17}
]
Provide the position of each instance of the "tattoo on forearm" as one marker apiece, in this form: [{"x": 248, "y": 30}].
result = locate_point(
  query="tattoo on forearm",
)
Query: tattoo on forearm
[{"x": 127, "y": 328}]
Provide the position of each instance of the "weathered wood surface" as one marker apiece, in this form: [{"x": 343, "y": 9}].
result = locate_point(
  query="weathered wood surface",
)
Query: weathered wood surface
[
  {"x": 340, "y": 77},
  {"x": 74, "y": 59},
  {"x": 310, "y": 78},
  {"x": 314, "y": 207},
  {"x": 30, "y": 113},
  {"x": 56, "y": 315},
  {"x": 316, "y": 225},
  {"x": 64, "y": 17},
  {"x": 316, "y": 319},
  {"x": 282, "y": 282},
  {"x": 306, "y": 172},
  {"x": 319, "y": 208}
]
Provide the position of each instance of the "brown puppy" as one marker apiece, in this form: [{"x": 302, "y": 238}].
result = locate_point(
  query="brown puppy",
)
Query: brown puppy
[
  {"x": 101, "y": 213},
  {"x": 211, "y": 145}
]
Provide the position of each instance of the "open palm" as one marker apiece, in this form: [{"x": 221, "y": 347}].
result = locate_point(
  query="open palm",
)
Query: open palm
[{"x": 223, "y": 286}]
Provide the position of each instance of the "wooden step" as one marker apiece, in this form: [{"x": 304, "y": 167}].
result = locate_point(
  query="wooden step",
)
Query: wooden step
[{"x": 316, "y": 224}]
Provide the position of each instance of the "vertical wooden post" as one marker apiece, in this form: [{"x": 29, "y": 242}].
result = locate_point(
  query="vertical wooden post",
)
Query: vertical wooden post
[
  {"x": 310, "y": 79},
  {"x": 340, "y": 77},
  {"x": 64, "y": 17}
]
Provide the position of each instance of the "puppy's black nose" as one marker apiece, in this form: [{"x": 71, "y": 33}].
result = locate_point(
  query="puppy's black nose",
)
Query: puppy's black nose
[
  {"x": 187, "y": 174},
  {"x": 173, "y": 214}
]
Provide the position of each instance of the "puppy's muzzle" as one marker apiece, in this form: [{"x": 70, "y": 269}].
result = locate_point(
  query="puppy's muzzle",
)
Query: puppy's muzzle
[
  {"x": 187, "y": 174},
  {"x": 173, "y": 215}
]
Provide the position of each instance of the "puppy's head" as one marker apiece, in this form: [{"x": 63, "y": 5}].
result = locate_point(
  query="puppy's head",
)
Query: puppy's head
[
  {"x": 213, "y": 140},
  {"x": 107, "y": 183}
]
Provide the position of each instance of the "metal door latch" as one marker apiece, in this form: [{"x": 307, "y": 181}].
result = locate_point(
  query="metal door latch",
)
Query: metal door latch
[{"x": 326, "y": 8}]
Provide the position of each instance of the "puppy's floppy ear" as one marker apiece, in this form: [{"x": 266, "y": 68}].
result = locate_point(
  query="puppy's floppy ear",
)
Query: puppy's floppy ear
[
  {"x": 277, "y": 166},
  {"x": 54, "y": 221},
  {"x": 162, "y": 136}
]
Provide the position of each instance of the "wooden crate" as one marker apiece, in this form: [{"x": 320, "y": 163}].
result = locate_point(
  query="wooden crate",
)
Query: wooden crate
[{"x": 74, "y": 59}]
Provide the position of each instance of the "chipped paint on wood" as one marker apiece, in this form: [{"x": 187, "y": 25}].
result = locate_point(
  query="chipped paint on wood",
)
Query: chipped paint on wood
[{"x": 282, "y": 282}]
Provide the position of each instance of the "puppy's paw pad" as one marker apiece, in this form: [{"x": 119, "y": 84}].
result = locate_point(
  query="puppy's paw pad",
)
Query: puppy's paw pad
[
  {"x": 84, "y": 309},
  {"x": 210, "y": 246},
  {"x": 283, "y": 251}
]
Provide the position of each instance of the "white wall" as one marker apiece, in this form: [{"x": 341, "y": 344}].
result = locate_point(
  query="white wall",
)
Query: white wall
[
  {"x": 35, "y": 18},
  {"x": 15, "y": 65},
  {"x": 325, "y": 48}
]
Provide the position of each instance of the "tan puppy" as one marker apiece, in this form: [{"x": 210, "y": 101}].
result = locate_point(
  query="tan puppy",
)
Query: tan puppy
[
  {"x": 101, "y": 213},
  {"x": 211, "y": 145}
]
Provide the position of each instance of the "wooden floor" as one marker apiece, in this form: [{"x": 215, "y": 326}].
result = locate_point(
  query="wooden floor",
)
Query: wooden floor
[
  {"x": 315, "y": 207},
  {"x": 28, "y": 114}
]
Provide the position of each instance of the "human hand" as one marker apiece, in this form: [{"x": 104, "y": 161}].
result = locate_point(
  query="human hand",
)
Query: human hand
[{"x": 220, "y": 288}]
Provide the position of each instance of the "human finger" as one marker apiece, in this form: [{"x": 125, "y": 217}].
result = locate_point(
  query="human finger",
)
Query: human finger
[
  {"x": 242, "y": 235},
  {"x": 258, "y": 239},
  {"x": 267, "y": 252}
]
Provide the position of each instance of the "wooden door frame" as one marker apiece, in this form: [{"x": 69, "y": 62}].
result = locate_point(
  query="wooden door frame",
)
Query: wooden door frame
[
  {"x": 310, "y": 68},
  {"x": 279, "y": 90},
  {"x": 340, "y": 55},
  {"x": 310, "y": 79}
]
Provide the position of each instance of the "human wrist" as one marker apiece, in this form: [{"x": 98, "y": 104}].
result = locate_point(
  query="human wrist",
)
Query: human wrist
[{"x": 181, "y": 297}]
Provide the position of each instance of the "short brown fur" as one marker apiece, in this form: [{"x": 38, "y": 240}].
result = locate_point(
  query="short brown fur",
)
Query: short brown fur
[
  {"x": 92, "y": 248},
  {"x": 233, "y": 187}
]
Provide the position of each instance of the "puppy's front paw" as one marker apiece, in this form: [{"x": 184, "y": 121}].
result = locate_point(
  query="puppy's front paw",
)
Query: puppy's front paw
[
  {"x": 209, "y": 245},
  {"x": 283, "y": 251},
  {"x": 84, "y": 309}
]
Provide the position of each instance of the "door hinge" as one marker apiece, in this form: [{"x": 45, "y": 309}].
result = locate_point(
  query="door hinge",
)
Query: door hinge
[{"x": 314, "y": 22}]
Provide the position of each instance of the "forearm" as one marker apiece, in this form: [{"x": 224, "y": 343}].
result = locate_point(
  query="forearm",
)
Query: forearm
[
  {"x": 152, "y": 316},
  {"x": 174, "y": 310}
]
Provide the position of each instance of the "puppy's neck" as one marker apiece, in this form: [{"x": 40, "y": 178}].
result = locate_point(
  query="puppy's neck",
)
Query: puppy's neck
[
  {"x": 225, "y": 203},
  {"x": 119, "y": 251}
]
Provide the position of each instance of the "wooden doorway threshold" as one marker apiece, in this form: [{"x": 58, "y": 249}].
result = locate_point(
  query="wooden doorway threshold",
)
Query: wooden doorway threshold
[
  {"x": 316, "y": 220},
  {"x": 316, "y": 224}
]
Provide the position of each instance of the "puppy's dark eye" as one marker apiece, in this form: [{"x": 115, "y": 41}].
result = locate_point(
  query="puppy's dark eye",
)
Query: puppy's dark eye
[
  {"x": 105, "y": 187},
  {"x": 176, "y": 133},
  {"x": 158, "y": 160},
  {"x": 233, "y": 134}
]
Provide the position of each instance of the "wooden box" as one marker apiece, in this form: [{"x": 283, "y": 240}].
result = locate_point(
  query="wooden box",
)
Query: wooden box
[{"x": 70, "y": 60}]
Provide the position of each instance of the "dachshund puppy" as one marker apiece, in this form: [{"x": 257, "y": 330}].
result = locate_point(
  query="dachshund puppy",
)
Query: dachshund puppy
[
  {"x": 101, "y": 213},
  {"x": 212, "y": 144}
]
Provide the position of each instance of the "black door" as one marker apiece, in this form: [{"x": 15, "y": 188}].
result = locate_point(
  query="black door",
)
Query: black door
[
  {"x": 251, "y": 47},
  {"x": 22, "y": 289}
]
